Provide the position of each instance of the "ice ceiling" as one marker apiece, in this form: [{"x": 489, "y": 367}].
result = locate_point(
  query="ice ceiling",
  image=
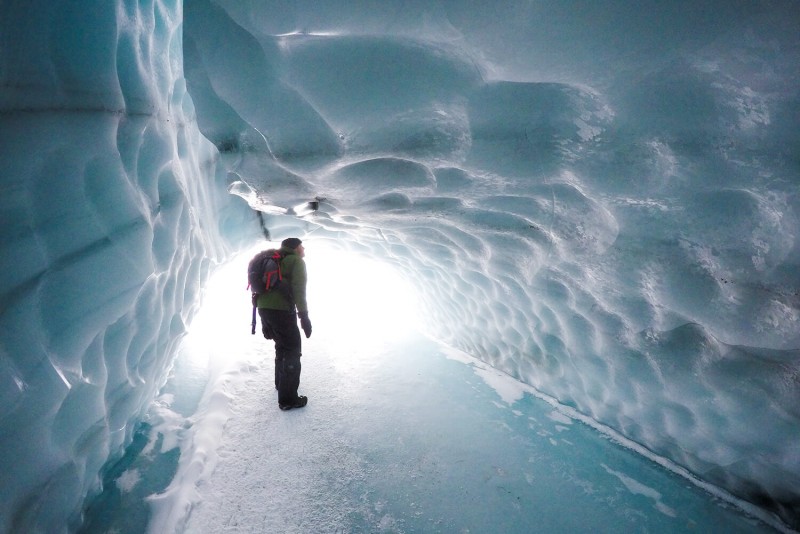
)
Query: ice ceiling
[{"x": 598, "y": 198}]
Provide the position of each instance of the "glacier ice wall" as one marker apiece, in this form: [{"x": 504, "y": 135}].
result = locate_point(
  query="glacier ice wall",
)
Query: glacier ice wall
[
  {"x": 601, "y": 201},
  {"x": 113, "y": 212}
]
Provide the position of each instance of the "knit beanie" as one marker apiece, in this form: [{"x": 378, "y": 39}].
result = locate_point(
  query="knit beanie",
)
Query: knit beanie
[{"x": 291, "y": 242}]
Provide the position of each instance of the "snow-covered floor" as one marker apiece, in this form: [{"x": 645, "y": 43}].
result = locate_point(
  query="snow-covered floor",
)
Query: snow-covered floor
[{"x": 401, "y": 434}]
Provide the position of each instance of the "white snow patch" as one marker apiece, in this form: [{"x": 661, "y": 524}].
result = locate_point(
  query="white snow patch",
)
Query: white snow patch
[{"x": 128, "y": 480}]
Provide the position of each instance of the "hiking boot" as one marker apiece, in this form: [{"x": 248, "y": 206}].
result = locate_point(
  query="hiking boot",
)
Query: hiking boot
[{"x": 301, "y": 401}]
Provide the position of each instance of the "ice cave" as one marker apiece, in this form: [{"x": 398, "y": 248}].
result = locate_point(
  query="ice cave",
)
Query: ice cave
[{"x": 595, "y": 204}]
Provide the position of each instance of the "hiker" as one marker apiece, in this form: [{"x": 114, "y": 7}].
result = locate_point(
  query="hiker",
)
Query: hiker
[{"x": 279, "y": 323}]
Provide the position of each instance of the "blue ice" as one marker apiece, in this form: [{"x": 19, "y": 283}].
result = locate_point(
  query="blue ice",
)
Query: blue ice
[
  {"x": 401, "y": 434},
  {"x": 597, "y": 201}
]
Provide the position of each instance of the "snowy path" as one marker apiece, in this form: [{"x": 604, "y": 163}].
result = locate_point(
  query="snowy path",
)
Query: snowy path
[
  {"x": 400, "y": 435},
  {"x": 394, "y": 442}
]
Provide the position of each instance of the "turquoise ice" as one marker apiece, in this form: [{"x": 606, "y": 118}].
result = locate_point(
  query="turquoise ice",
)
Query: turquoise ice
[
  {"x": 596, "y": 199},
  {"x": 401, "y": 434}
]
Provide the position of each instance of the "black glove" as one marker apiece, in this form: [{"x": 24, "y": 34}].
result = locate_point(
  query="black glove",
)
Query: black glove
[{"x": 305, "y": 323}]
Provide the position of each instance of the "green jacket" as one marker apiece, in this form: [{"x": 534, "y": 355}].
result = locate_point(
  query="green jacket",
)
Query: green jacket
[{"x": 293, "y": 271}]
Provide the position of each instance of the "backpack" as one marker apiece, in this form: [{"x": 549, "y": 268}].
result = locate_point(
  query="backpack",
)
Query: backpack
[
  {"x": 264, "y": 275},
  {"x": 264, "y": 271}
]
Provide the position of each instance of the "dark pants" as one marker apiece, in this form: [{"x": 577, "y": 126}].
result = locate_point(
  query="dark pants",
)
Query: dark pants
[{"x": 281, "y": 326}]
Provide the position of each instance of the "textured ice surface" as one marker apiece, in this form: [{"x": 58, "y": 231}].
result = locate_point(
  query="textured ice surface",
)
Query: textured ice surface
[
  {"x": 401, "y": 434},
  {"x": 112, "y": 215},
  {"x": 600, "y": 201}
]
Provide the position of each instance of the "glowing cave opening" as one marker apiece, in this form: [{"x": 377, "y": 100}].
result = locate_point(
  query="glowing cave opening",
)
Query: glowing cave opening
[
  {"x": 350, "y": 295},
  {"x": 357, "y": 295}
]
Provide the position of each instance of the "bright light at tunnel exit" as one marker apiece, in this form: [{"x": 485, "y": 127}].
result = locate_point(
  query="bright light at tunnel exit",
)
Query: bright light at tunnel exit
[
  {"x": 359, "y": 295},
  {"x": 349, "y": 294}
]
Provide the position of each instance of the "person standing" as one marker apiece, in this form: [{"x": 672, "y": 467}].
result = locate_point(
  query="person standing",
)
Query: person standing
[{"x": 279, "y": 323}]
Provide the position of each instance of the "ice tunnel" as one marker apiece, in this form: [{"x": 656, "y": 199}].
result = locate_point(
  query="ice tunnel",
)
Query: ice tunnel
[{"x": 600, "y": 199}]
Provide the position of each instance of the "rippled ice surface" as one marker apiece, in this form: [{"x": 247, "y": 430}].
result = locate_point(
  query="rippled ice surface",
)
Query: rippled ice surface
[{"x": 401, "y": 434}]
